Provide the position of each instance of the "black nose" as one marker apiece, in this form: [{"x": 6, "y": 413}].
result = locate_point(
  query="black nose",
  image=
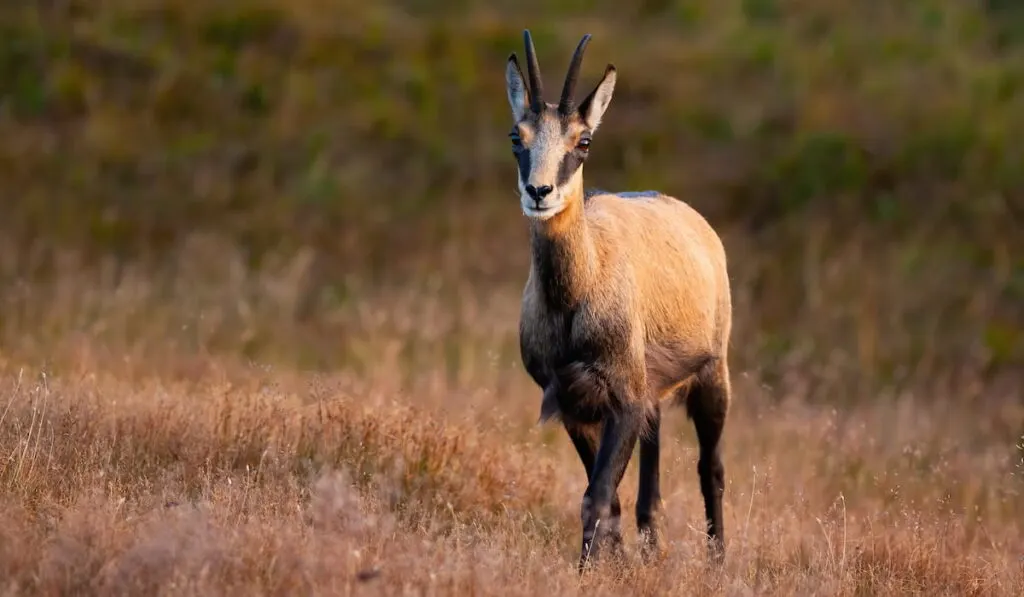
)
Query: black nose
[{"x": 538, "y": 193}]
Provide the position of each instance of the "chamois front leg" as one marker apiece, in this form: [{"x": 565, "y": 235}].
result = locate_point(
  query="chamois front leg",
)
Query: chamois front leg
[
  {"x": 648, "y": 500},
  {"x": 620, "y": 431},
  {"x": 584, "y": 438}
]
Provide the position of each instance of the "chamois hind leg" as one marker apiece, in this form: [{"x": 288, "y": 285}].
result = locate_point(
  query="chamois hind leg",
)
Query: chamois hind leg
[
  {"x": 648, "y": 500},
  {"x": 708, "y": 404},
  {"x": 584, "y": 439}
]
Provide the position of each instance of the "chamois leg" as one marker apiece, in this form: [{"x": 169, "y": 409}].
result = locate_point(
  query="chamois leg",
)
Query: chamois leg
[
  {"x": 618, "y": 436},
  {"x": 707, "y": 405},
  {"x": 584, "y": 439},
  {"x": 648, "y": 500}
]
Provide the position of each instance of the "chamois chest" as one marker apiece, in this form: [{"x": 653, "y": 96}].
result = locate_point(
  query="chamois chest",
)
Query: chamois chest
[
  {"x": 574, "y": 355},
  {"x": 545, "y": 341}
]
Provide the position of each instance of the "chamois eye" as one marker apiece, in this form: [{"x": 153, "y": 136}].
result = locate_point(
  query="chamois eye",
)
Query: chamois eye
[
  {"x": 583, "y": 144},
  {"x": 516, "y": 140}
]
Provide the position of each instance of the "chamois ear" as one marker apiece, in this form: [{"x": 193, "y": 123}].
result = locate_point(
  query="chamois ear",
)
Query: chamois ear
[
  {"x": 593, "y": 107},
  {"x": 515, "y": 85}
]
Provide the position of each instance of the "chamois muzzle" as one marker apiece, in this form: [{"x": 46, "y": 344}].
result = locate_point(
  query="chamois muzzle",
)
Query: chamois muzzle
[{"x": 538, "y": 193}]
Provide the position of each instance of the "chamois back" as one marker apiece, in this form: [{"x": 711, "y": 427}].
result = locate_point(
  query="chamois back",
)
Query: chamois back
[{"x": 675, "y": 267}]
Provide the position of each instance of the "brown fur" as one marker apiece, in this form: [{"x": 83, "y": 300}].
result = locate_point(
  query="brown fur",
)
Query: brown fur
[
  {"x": 640, "y": 279},
  {"x": 627, "y": 305}
]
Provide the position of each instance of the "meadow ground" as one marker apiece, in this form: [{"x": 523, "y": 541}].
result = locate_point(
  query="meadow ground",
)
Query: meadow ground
[{"x": 138, "y": 459}]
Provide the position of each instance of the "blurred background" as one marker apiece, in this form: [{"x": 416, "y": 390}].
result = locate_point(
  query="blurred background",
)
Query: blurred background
[{"x": 328, "y": 183}]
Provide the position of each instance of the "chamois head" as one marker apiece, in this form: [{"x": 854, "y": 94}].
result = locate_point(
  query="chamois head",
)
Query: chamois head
[{"x": 551, "y": 141}]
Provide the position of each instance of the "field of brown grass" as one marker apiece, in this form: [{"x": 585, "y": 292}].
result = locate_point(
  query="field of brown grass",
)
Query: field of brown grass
[{"x": 143, "y": 452}]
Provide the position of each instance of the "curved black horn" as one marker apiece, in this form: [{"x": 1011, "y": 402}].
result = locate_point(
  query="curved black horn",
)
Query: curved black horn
[
  {"x": 536, "y": 88},
  {"x": 566, "y": 104}
]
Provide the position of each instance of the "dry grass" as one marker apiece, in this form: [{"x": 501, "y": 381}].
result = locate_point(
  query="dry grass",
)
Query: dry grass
[{"x": 143, "y": 453}]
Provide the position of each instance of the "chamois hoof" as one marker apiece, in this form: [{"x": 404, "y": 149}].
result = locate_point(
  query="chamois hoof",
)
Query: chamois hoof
[
  {"x": 650, "y": 548},
  {"x": 605, "y": 549}
]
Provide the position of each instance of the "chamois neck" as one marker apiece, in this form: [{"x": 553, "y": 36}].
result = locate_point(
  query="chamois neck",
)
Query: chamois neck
[{"x": 564, "y": 256}]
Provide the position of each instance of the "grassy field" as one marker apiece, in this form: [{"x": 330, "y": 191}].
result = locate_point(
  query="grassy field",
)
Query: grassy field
[
  {"x": 260, "y": 270},
  {"x": 145, "y": 453}
]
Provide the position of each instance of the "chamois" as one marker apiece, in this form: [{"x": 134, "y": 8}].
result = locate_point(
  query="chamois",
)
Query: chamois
[{"x": 627, "y": 305}]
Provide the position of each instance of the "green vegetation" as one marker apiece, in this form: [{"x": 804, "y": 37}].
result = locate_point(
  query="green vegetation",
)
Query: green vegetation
[
  {"x": 127, "y": 123},
  {"x": 878, "y": 137}
]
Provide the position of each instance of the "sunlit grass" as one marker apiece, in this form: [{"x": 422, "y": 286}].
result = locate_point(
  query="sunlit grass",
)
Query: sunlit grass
[{"x": 144, "y": 451}]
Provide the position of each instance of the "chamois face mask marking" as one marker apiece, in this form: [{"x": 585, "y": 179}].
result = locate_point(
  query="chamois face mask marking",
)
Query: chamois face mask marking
[{"x": 550, "y": 150}]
